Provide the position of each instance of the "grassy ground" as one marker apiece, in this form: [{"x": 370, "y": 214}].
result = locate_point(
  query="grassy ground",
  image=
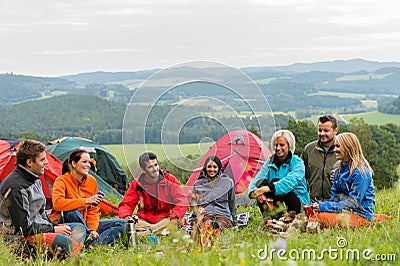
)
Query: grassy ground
[{"x": 253, "y": 246}]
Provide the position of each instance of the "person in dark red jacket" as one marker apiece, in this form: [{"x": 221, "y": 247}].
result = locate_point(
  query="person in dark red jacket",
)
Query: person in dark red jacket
[{"x": 159, "y": 196}]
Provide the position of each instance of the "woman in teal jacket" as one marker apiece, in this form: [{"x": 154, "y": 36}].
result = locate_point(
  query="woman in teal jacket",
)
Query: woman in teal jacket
[{"x": 282, "y": 177}]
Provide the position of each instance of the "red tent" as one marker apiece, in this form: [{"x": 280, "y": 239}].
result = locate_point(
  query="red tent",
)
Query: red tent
[
  {"x": 8, "y": 149},
  {"x": 242, "y": 154}
]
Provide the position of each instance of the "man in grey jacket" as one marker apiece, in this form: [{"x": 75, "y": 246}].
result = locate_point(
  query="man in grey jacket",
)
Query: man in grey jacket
[
  {"x": 22, "y": 203},
  {"x": 320, "y": 159}
]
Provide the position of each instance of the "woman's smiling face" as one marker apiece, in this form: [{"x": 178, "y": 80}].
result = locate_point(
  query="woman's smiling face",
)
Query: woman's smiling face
[
  {"x": 281, "y": 148},
  {"x": 212, "y": 169},
  {"x": 82, "y": 167}
]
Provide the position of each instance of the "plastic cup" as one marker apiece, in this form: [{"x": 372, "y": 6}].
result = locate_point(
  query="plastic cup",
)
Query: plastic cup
[
  {"x": 308, "y": 210},
  {"x": 270, "y": 202}
]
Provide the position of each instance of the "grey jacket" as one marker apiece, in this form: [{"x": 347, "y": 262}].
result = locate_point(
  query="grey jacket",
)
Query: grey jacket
[
  {"x": 217, "y": 196},
  {"x": 22, "y": 201}
]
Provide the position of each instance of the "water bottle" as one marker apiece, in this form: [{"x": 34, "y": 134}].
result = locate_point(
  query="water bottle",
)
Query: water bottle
[{"x": 131, "y": 233}]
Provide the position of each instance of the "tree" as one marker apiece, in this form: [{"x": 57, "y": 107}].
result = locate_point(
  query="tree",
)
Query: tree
[
  {"x": 389, "y": 159},
  {"x": 304, "y": 131},
  {"x": 253, "y": 129},
  {"x": 381, "y": 149},
  {"x": 368, "y": 144}
]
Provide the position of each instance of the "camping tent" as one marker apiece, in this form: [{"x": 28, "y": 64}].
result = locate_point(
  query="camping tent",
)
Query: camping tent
[
  {"x": 242, "y": 154},
  {"x": 109, "y": 172},
  {"x": 8, "y": 149}
]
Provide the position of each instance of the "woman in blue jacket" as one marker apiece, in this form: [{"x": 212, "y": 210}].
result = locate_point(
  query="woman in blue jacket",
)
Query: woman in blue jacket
[
  {"x": 353, "y": 198},
  {"x": 282, "y": 177}
]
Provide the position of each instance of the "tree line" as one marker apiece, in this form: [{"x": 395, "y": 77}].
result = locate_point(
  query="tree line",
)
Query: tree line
[
  {"x": 380, "y": 144},
  {"x": 391, "y": 107}
]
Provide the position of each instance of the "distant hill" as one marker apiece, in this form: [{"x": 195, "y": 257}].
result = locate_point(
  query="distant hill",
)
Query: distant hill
[
  {"x": 108, "y": 77},
  {"x": 18, "y": 88},
  {"x": 337, "y": 66},
  {"x": 92, "y": 105},
  {"x": 66, "y": 115}
]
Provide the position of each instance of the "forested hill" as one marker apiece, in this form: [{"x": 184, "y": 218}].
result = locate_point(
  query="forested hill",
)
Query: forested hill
[
  {"x": 65, "y": 115},
  {"x": 18, "y": 88}
]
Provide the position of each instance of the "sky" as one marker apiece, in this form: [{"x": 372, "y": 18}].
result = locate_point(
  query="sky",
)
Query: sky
[{"x": 54, "y": 38}]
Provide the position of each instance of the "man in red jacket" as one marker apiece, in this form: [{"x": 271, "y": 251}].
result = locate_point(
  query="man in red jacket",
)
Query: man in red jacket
[{"x": 159, "y": 197}]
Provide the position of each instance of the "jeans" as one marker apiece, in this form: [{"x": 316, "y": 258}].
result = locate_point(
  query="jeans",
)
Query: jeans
[
  {"x": 110, "y": 230},
  {"x": 78, "y": 232},
  {"x": 68, "y": 244}
]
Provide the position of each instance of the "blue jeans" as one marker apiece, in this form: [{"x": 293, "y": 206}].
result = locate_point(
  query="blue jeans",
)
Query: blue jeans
[
  {"x": 78, "y": 232},
  {"x": 64, "y": 242},
  {"x": 110, "y": 230}
]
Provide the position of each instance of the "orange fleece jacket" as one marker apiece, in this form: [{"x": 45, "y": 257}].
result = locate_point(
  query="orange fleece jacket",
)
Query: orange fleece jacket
[{"x": 69, "y": 193}]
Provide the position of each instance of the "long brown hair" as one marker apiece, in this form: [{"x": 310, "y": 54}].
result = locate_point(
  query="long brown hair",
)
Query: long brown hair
[{"x": 351, "y": 147}]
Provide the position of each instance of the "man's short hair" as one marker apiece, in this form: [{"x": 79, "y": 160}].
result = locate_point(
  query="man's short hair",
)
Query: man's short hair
[
  {"x": 145, "y": 157},
  {"x": 328, "y": 118},
  {"x": 29, "y": 149}
]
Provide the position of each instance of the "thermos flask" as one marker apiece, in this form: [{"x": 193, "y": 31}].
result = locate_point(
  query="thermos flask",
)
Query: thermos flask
[{"x": 131, "y": 233}]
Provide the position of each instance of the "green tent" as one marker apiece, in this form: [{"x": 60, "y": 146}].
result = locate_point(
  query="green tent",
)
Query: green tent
[{"x": 110, "y": 176}]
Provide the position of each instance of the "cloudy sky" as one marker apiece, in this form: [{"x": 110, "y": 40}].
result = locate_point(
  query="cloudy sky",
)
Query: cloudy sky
[{"x": 54, "y": 37}]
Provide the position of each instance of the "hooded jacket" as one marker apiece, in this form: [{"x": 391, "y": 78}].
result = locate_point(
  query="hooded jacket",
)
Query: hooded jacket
[
  {"x": 168, "y": 199},
  {"x": 216, "y": 196},
  {"x": 25, "y": 203}
]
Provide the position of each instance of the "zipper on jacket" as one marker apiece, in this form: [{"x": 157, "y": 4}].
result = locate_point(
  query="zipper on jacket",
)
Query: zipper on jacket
[
  {"x": 156, "y": 209},
  {"x": 323, "y": 175}
]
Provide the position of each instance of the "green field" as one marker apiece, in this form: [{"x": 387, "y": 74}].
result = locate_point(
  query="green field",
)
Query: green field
[
  {"x": 374, "y": 118},
  {"x": 131, "y": 152},
  {"x": 362, "y": 77},
  {"x": 339, "y": 94}
]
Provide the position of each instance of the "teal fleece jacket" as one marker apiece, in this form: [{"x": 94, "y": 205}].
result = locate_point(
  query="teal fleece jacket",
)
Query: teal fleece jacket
[{"x": 291, "y": 175}]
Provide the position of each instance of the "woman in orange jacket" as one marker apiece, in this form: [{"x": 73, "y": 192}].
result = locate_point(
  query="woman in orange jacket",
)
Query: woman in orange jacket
[{"x": 76, "y": 199}]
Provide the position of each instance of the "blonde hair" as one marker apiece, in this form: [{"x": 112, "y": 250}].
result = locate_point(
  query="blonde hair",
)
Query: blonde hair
[
  {"x": 351, "y": 147},
  {"x": 287, "y": 135}
]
